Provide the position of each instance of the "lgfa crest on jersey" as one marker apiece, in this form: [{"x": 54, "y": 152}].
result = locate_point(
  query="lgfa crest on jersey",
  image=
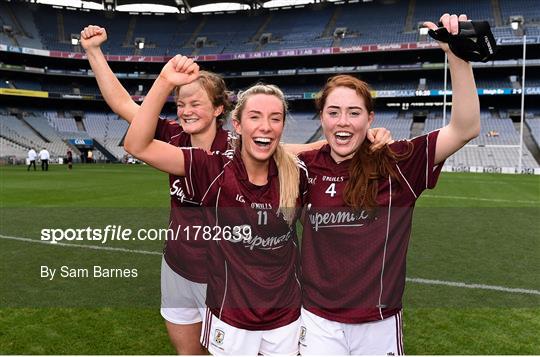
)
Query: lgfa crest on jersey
[{"x": 219, "y": 336}]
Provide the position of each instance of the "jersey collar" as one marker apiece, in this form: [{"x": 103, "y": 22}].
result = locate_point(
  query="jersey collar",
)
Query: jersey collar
[{"x": 241, "y": 168}]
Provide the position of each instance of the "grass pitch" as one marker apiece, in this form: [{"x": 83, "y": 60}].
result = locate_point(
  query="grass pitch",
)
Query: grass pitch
[{"x": 472, "y": 264}]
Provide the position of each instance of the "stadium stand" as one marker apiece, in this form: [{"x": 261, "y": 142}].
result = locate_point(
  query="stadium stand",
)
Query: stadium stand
[
  {"x": 375, "y": 15},
  {"x": 516, "y": 7},
  {"x": 10, "y": 149},
  {"x": 326, "y": 25},
  {"x": 493, "y": 83},
  {"x": 39, "y": 122},
  {"x": 394, "y": 85},
  {"x": 427, "y": 10},
  {"x": 162, "y": 34},
  {"x": 29, "y": 34},
  {"x": 323, "y": 25},
  {"x": 17, "y": 29},
  {"x": 108, "y": 130},
  {"x": 226, "y": 33},
  {"x": 30, "y": 132},
  {"x": 288, "y": 32},
  {"x": 495, "y": 157},
  {"x": 494, "y": 132},
  {"x": 300, "y": 127},
  {"x": 61, "y": 124},
  {"x": 534, "y": 126},
  {"x": 400, "y": 128},
  {"x": 25, "y": 84}
]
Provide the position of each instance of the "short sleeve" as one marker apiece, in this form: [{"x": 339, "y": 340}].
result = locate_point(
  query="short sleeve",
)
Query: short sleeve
[
  {"x": 202, "y": 171},
  {"x": 419, "y": 170},
  {"x": 303, "y": 180},
  {"x": 166, "y": 129}
]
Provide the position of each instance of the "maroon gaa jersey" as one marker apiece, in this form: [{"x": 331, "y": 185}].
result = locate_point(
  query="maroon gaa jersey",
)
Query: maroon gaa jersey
[
  {"x": 253, "y": 281},
  {"x": 353, "y": 262},
  {"x": 187, "y": 259}
]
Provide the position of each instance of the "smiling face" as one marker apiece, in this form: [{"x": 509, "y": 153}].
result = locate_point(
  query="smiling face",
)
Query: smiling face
[
  {"x": 195, "y": 110},
  {"x": 260, "y": 126},
  {"x": 345, "y": 121}
]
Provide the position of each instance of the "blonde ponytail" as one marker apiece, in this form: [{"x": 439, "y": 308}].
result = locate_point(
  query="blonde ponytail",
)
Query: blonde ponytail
[{"x": 289, "y": 176}]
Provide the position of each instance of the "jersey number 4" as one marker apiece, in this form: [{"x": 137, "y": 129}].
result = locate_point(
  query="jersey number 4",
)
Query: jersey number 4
[{"x": 331, "y": 190}]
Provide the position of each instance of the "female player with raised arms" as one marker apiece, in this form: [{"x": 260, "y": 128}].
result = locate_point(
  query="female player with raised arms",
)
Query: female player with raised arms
[
  {"x": 202, "y": 107},
  {"x": 253, "y": 294},
  {"x": 359, "y": 214}
]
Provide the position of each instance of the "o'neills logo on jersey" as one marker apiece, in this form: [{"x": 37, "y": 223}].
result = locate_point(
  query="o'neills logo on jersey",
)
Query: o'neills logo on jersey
[
  {"x": 333, "y": 178},
  {"x": 261, "y": 205},
  {"x": 337, "y": 219},
  {"x": 274, "y": 242}
]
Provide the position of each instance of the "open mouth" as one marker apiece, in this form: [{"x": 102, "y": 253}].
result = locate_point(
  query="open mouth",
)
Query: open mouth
[
  {"x": 189, "y": 120},
  {"x": 343, "y": 137},
  {"x": 262, "y": 142}
]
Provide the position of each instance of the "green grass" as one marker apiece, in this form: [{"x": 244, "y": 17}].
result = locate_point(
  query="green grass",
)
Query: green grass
[{"x": 473, "y": 228}]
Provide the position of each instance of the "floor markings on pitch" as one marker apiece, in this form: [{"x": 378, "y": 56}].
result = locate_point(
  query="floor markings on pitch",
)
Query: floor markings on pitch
[
  {"x": 84, "y": 246},
  {"x": 480, "y": 199},
  {"x": 412, "y": 280},
  {"x": 473, "y": 286}
]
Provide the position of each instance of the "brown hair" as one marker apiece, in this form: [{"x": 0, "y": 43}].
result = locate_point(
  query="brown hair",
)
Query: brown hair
[
  {"x": 366, "y": 167},
  {"x": 216, "y": 89},
  {"x": 289, "y": 174}
]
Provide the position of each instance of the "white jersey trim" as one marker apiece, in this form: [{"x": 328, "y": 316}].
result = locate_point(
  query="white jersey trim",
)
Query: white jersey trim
[
  {"x": 217, "y": 205},
  {"x": 214, "y": 181},
  {"x": 427, "y": 160},
  {"x": 407, "y": 182},
  {"x": 224, "y": 292},
  {"x": 379, "y": 305},
  {"x": 190, "y": 170},
  {"x": 172, "y": 137}
]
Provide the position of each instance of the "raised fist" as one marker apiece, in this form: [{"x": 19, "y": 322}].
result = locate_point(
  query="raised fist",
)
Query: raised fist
[
  {"x": 92, "y": 37},
  {"x": 180, "y": 70}
]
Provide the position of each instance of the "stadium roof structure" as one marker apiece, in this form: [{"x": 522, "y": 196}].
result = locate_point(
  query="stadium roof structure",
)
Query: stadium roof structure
[{"x": 187, "y": 4}]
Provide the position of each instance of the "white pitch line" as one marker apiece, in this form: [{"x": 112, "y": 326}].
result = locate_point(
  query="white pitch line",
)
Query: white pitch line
[
  {"x": 480, "y": 199},
  {"x": 412, "y": 280},
  {"x": 95, "y": 247},
  {"x": 473, "y": 286}
]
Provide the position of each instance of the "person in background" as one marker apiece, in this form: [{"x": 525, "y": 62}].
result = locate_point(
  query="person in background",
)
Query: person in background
[
  {"x": 32, "y": 159},
  {"x": 44, "y": 157},
  {"x": 69, "y": 159}
]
